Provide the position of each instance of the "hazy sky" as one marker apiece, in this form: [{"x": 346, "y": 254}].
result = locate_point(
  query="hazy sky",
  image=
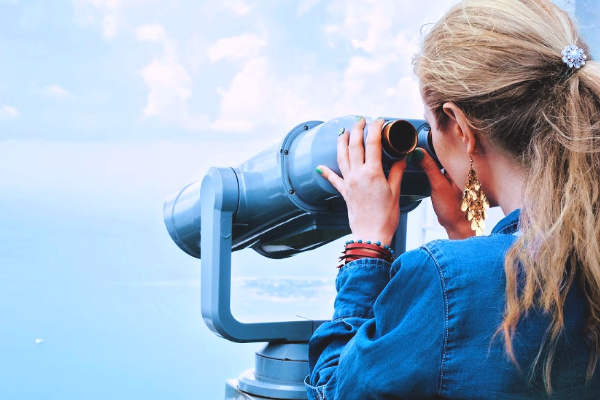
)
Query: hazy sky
[{"x": 107, "y": 107}]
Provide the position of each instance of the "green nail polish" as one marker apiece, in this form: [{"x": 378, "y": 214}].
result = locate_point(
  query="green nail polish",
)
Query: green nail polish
[
  {"x": 409, "y": 156},
  {"x": 359, "y": 117},
  {"x": 342, "y": 130},
  {"x": 419, "y": 155},
  {"x": 319, "y": 170}
]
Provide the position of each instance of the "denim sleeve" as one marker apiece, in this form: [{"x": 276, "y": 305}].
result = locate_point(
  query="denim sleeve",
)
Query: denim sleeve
[
  {"x": 358, "y": 285},
  {"x": 387, "y": 332}
]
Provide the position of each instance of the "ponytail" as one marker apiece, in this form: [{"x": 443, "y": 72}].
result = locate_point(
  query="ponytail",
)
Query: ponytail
[{"x": 525, "y": 100}]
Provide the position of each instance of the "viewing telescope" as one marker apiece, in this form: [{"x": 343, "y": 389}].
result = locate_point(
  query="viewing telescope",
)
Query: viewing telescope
[
  {"x": 282, "y": 205},
  {"x": 277, "y": 204}
]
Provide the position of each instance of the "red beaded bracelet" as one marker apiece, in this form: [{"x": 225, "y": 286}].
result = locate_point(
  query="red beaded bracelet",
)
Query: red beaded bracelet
[{"x": 355, "y": 250}]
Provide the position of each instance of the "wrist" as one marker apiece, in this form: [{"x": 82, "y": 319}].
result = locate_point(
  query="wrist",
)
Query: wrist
[
  {"x": 373, "y": 237},
  {"x": 355, "y": 250}
]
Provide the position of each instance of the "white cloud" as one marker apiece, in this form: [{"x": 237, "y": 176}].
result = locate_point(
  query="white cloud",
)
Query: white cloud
[
  {"x": 305, "y": 6},
  {"x": 154, "y": 33},
  {"x": 170, "y": 87},
  {"x": 237, "y": 47},
  {"x": 375, "y": 79},
  {"x": 238, "y": 7},
  {"x": 169, "y": 82},
  {"x": 358, "y": 71},
  {"x": 108, "y": 12},
  {"x": 8, "y": 112},
  {"x": 57, "y": 91},
  {"x": 243, "y": 104},
  {"x": 110, "y": 15}
]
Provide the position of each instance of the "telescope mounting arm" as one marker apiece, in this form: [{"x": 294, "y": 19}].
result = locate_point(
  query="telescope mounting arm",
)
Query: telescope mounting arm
[{"x": 219, "y": 202}]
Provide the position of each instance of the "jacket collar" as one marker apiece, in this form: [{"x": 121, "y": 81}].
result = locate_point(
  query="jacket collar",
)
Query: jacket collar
[{"x": 508, "y": 225}]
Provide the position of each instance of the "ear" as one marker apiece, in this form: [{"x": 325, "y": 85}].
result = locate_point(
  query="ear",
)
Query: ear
[{"x": 458, "y": 124}]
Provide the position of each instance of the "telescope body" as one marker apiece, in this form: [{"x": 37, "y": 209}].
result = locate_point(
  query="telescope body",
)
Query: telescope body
[{"x": 283, "y": 205}]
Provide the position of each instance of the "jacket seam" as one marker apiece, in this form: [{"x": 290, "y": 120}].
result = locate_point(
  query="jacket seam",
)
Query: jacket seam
[
  {"x": 512, "y": 227},
  {"x": 446, "y": 319},
  {"x": 344, "y": 317},
  {"x": 319, "y": 390}
]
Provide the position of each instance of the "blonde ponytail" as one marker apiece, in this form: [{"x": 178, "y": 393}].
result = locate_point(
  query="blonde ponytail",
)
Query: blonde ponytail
[{"x": 500, "y": 62}]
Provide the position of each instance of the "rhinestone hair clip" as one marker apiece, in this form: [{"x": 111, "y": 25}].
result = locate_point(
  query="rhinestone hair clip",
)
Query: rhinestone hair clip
[{"x": 574, "y": 56}]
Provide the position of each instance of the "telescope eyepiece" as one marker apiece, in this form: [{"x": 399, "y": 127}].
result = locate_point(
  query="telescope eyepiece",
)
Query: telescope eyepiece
[{"x": 399, "y": 138}]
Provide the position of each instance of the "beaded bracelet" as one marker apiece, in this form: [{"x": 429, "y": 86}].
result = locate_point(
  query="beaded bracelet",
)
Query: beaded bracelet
[{"x": 355, "y": 250}]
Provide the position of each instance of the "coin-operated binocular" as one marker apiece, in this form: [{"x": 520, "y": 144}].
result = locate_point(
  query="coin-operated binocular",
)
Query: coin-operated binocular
[{"x": 277, "y": 204}]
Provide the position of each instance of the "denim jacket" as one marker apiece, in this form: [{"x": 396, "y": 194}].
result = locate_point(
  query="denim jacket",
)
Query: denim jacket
[{"x": 426, "y": 327}]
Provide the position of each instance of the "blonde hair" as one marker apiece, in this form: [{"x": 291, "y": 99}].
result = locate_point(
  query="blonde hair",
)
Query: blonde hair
[{"x": 500, "y": 62}]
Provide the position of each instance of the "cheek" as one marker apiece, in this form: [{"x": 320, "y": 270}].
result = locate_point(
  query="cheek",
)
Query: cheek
[
  {"x": 453, "y": 164},
  {"x": 440, "y": 148}
]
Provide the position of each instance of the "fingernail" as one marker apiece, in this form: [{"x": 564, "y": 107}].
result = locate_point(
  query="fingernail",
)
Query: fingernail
[
  {"x": 409, "y": 156},
  {"x": 319, "y": 171},
  {"x": 419, "y": 155},
  {"x": 359, "y": 117},
  {"x": 342, "y": 130},
  {"x": 379, "y": 117}
]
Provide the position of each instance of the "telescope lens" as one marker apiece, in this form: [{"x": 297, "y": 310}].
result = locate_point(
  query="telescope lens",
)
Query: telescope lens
[{"x": 399, "y": 138}]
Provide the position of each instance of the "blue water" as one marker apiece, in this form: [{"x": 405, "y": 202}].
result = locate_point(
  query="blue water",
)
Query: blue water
[{"x": 97, "y": 302}]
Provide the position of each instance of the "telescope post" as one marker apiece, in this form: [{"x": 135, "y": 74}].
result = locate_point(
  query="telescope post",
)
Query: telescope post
[{"x": 280, "y": 369}]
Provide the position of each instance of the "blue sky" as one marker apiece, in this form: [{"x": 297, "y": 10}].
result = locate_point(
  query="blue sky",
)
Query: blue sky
[{"x": 109, "y": 106}]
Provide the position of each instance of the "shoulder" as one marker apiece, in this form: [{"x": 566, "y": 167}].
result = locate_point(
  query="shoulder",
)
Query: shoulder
[
  {"x": 491, "y": 247},
  {"x": 443, "y": 257},
  {"x": 465, "y": 272},
  {"x": 477, "y": 258}
]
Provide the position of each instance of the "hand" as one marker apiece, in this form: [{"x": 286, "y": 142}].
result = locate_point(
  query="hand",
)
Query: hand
[
  {"x": 372, "y": 200},
  {"x": 446, "y": 198}
]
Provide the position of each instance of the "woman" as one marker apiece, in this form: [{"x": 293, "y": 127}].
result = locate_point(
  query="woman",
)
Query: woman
[{"x": 514, "y": 107}]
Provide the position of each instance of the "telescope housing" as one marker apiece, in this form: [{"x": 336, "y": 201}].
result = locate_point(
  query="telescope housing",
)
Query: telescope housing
[{"x": 284, "y": 206}]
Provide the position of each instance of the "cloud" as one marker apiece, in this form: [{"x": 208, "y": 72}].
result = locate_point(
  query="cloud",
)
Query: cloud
[
  {"x": 372, "y": 43},
  {"x": 88, "y": 12},
  {"x": 154, "y": 33},
  {"x": 377, "y": 76},
  {"x": 110, "y": 15},
  {"x": 170, "y": 87},
  {"x": 247, "y": 100},
  {"x": 169, "y": 83},
  {"x": 57, "y": 91},
  {"x": 8, "y": 112},
  {"x": 373, "y": 77},
  {"x": 238, "y": 7},
  {"x": 237, "y": 47},
  {"x": 304, "y": 6}
]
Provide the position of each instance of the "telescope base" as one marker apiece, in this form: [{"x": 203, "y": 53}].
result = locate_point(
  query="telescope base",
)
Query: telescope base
[
  {"x": 279, "y": 373},
  {"x": 233, "y": 393}
]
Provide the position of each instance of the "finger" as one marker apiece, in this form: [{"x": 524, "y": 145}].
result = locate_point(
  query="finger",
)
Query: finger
[
  {"x": 395, "y": 177},
  {"x": 373, "y": 142},
  {"x": 356, "y": 149},
  {"x": 431, "y": 169},
  {"x": 342, "y": 152},
  {"x": 333, "y": 178}
]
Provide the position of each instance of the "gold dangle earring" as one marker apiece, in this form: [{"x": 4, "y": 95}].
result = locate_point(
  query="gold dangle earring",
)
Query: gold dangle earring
[{"x": 474, "y": 203}]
